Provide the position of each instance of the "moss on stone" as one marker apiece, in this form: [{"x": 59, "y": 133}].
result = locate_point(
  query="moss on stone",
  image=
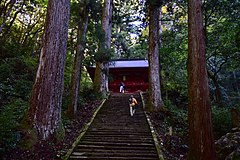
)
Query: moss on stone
[
  {"x": 60, "y": 133},
  {"x": 29, "y": 139},
  {"x": 29, "y": 134}
]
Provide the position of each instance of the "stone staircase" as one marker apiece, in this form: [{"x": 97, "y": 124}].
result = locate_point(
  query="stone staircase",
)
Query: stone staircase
[{"x": 114, "y": 134}]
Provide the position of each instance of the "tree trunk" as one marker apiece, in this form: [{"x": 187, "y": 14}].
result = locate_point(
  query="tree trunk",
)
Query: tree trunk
[
  {"x": 235, "y": 115},
  {"x": 46, "y": 100},
  {"x": 217, "y": 92},
  {"x": 107, "y": 28},
  {"x": 160, "y": 25},
  {"x": 101, "y": 72},
  {"x": 201, "y": 141},
  {"x": 76, "y": 74},
  {"x": 155, "y": 98},
  {"x": 99, "y": 78},
  {"x": 235, "y": 78}
]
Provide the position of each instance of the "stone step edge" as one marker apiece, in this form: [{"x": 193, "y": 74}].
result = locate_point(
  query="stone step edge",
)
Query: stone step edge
[
  {"x": 84, "y": 129},
  {"x": 157, "y": 145}
]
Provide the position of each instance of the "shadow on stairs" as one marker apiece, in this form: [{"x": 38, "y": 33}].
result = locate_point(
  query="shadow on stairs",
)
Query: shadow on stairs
[{"x": 114, "y": 134}]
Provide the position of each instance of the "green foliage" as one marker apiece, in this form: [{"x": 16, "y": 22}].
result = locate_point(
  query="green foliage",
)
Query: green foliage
[
  {"x": 173, "y": 55},
  {"x": 175, "y": 118},
  {"x": 125, "y": 14},
  {"x": 17, "y": 75},
  {"x": 103, "y": 54},
  {"x": 19, "y": 44},
  {"x": 237, "y": 38},
  {"x": 221, "y": 119},
  {"x": 139, "y": 49},
  {"x": 179, "y": 115},
  {"x": 68, "y": 69},
  {"x": 88, "y": 94},
  {"x": 222, "y": 29},
  {"x": 10, "y": 118},
  {"x": 60, "y": 133}
]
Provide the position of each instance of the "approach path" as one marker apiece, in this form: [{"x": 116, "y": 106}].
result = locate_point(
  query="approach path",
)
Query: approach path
[{"x": 114, "y": 134}]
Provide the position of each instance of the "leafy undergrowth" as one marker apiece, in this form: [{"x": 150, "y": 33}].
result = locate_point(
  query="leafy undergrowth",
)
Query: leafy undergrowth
[
  {"x": 172, "y": 136},
  {"x": 171, "y": 129},
  {"x": 53, "y": 151}
]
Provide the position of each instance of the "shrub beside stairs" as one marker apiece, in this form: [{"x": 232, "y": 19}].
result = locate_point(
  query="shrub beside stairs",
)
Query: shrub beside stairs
[{"x": 114, "y": 134}]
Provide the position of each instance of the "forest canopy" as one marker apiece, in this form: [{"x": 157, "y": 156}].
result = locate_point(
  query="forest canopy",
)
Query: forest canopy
[{"x": 23, "y": 35}]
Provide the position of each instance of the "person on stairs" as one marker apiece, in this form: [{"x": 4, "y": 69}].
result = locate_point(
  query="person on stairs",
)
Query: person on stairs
[
  {"x": 122, "y": 87},
  {"x": 132, "y": 103}
]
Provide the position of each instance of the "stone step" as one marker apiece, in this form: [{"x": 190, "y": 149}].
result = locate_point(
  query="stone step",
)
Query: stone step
[
  {"x": 113, "y": 154},
  {"x": 114, "y": 134}
]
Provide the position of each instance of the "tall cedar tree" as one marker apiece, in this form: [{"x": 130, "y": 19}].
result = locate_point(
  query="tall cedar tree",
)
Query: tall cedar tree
[
  {"x": 46, "y": 100},
  {"x": 77, "y": 66},
  {"x": 155, "y": 97},
  {"x": 107, "y": 28},
  {"x": 201, "y": 141},
  {"x": 101, "y": 75}
]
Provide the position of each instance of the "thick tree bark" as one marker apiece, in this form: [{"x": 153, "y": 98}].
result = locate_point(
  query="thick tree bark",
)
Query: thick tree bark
[
  {"x": 76, "y": 74},
  {"x": 107, "y": 28},
  {"x": 46, "y": 100},
  {"x": 217, "y": 92},
  {"x": 235, "y": 114},
  {"x": 99, "y": 79},
  {"x": 101, "y": 72},
  {"x": 155, "y": 98},
  {"x": 160, "y": 24},
  {"x": 201, "y": 141},
  {"x": 235, "y": 87}
]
